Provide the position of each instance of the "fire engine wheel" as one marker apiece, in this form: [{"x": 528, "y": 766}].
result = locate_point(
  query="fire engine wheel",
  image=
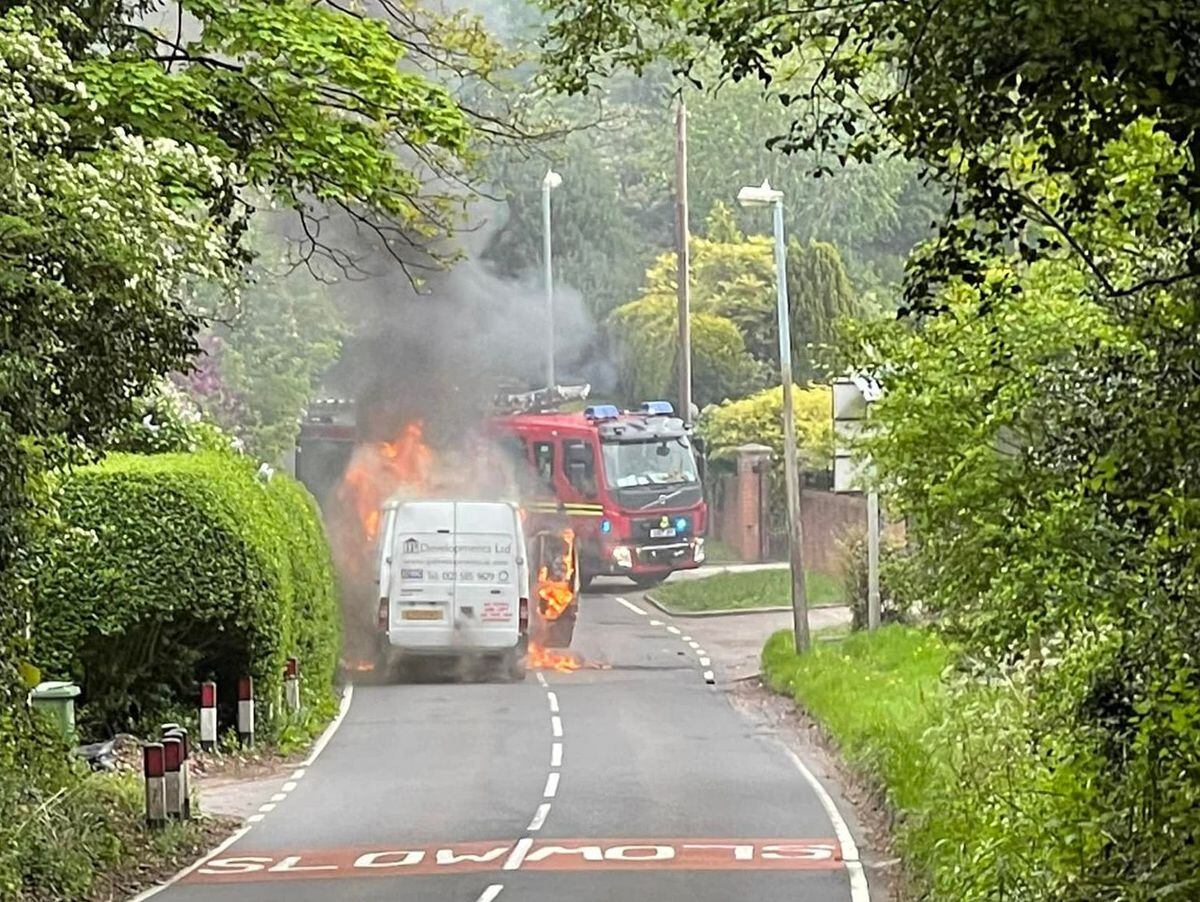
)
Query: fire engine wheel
[{"x": 649, "y": 580}]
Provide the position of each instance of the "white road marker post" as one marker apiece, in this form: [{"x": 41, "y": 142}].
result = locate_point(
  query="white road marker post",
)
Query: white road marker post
[
  {"x": 208, "y": 716},
  {"x": 291, "y": 685},
  {"x": 172, "y": 783},
  {"x": 154, "y": 769},
  {"x": 245, "y": 711}
]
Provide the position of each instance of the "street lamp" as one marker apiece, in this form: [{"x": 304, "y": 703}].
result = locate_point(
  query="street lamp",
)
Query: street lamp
[
  {"x": 766, "y": 196},
  {"x": 551, "y": 181}
]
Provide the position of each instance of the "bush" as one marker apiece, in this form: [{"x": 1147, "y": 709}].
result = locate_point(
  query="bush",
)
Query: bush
[
  {"x": 174, "y": 568},
  {"x": 894, "y": 606}
]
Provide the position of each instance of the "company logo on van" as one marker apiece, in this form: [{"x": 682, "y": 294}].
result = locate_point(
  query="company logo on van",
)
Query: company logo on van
[{"x": 411, "y": 546}]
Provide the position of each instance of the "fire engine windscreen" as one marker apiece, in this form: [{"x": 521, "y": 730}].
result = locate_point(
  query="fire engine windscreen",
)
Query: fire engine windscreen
[{"x": 668, "y": 462}]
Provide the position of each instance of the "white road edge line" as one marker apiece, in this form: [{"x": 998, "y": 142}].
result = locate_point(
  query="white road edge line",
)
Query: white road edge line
[
  {"x": 633, "y": 607},
  {"x": 517, "y": 855},
  {"x": 556, "y": 726},
  {"x": 491, "y": 892},
  {"x": 539, "y": 818},
  {"x": 296, "y": 775},
  {"x": 551, "y": 789},
  {"x": 553, "y": 699},
  {"x": 196, "y": 865},
  {"x": 556, "y": 755},
  {"x": 859, "y": 891},
  {"x": 323, "y": 740}
]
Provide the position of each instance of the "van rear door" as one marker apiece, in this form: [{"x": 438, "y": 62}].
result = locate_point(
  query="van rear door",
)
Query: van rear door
[
  {"x": 422, "y": 586},
  {"x": 487, "y": 594}
]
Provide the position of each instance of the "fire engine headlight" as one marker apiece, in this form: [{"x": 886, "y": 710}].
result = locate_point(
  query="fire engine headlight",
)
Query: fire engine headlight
[
  {"x": 606, "y": 525},
  {"x": 698, "y": 551},
  {"x": 622, "y": 557}
]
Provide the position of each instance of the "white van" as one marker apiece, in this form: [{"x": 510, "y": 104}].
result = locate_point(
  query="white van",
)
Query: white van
[{"x": 454, "y": 581}]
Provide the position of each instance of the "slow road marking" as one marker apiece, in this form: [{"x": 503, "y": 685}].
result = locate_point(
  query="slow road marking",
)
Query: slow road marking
[{"x": 625, "y": 854}]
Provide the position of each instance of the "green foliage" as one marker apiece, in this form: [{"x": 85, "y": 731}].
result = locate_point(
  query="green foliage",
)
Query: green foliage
[
  {"x": 646, "y": 340},
  {"x": 876, "y": 694},
  {"x": 758, "y": 419},
  {"x": 164, "y": 422},
  {"x": 173, "y": 568},
  {"x": 819, "y": 296},
  {"x": 894, "y": 604},
  {"x": 961, "y": 91},
  {"x": 751, "y": 589},
  {"x": 260, "y": 368}
]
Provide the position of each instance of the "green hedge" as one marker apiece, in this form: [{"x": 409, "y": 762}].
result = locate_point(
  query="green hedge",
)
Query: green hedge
[{"x": 173, "y": 568}]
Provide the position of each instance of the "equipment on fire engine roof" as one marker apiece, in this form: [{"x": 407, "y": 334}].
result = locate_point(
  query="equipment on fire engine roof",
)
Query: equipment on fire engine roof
[
  {"x": 600, "y": 412},
  {"x": 642, "y": 429},
  {"x": 657, "y": 408},
  {"x": 541, "y": 399}
]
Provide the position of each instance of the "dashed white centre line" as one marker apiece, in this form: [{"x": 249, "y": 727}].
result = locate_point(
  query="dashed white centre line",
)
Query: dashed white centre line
[
  {"x": 255, "y": 818},
  {"x": 553, "y": 699},
  {"x": 289, "y": 785},
  {"x": 556, "y": 726},
  {"x": 539, "y": 818},
  {"x": 517, "y": 855},
  {"x": 551, "y": 785},
  {"x": 686, "y": 638},
  {"x": 673, "y": 630},
  {"x": 297, "y": 774},
  {"x": 701, "y": 652},
  {"x": 656, "y": 623},
  {"x": 705, "y": 662},
  {"x": 633, "y": 607},
  {"x": 556, "y": 755},
  {"x": 693, "y": 643},
  {"x": 708, "y": 677},
  {"x": 541, "y": 678},
  {"x": 491, "y": 892},
  {"x": 279, "y": 797}
]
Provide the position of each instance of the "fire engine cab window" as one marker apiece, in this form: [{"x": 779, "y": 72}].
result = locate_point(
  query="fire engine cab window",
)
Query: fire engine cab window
[
  {"x": 543, "y": 459},
  {"x": 580, "y": 464},
  {"x": 630, "y": 464}
]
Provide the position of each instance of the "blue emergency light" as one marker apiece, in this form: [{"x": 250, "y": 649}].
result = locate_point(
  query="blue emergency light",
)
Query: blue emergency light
[
  {"x": 657, "y": 408},
  {"x": 598, "y": 412},
  {"x": 681, "y": 524}
]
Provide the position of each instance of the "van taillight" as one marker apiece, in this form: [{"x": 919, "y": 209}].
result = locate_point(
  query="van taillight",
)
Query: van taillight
[
  {"x": 524, "y": 615},
  {"x": 383, "y": 613}
]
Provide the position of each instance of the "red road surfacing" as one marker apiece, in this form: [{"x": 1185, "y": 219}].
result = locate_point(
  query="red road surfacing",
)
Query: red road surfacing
[{"x": 543, "y": 855}]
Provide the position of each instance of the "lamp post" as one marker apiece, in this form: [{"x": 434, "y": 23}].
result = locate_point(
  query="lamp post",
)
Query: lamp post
[
  {"x": 551, "y": 181},
  {"x": 766, "y": 196}
]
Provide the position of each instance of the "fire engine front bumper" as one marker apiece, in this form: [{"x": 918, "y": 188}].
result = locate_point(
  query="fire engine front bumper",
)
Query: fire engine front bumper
[{"x": 621, "y": 560}]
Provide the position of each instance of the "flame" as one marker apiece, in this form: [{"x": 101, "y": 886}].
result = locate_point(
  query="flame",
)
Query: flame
[
  {"x": 380, "y": 469},
  {"x": 557, "y": 594},
  {"x": 538, "y": 657}
]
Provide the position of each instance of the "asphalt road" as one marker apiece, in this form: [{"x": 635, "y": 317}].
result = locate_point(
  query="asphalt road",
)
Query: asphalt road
[{"x": 635, "y": 781}]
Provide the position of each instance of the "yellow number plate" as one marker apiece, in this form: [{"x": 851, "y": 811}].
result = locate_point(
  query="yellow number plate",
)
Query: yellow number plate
[{"x": 419, "y": 614}]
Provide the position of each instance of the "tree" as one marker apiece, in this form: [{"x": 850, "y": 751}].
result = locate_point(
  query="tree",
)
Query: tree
[
  {"x": 645, "y": 336},
  {"x": 259, "y": 370},
  {"x": 963, "y": 92},
  {"x": 819, "y": 296}
]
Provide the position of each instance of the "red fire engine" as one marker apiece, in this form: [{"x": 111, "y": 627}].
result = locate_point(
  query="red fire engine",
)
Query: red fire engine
[{"x": 628, "y": 483}]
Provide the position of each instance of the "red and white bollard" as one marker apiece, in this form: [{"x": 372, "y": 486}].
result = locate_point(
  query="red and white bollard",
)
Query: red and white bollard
[
  {"x": 154, "y": 769},
  {"x": 185, "y": 783},
  {"x": 208, "y": 716},
  {"x": 245, "y": 711},
  {"x": 172, "y": 782},
  {"x": 291, "y": 685}
]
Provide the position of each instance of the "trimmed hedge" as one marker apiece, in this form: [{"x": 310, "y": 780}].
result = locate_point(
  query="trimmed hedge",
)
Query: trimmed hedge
[{"x": 174, "y": 568}]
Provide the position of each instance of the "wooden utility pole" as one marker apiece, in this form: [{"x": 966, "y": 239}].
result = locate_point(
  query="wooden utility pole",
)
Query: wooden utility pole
[{"x": 683, "y": 264}]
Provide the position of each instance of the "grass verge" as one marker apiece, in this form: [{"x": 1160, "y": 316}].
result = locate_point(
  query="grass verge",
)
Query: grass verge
[
  {"x": 747, "y": 590},
  {"x": 876, "y": 695}
]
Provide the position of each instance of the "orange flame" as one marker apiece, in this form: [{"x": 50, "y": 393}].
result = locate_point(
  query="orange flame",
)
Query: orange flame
[
  {"x": 539, "y": 657},
  {"x": 556, "y": 594},
  {"x": 379, "y": 470}
]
